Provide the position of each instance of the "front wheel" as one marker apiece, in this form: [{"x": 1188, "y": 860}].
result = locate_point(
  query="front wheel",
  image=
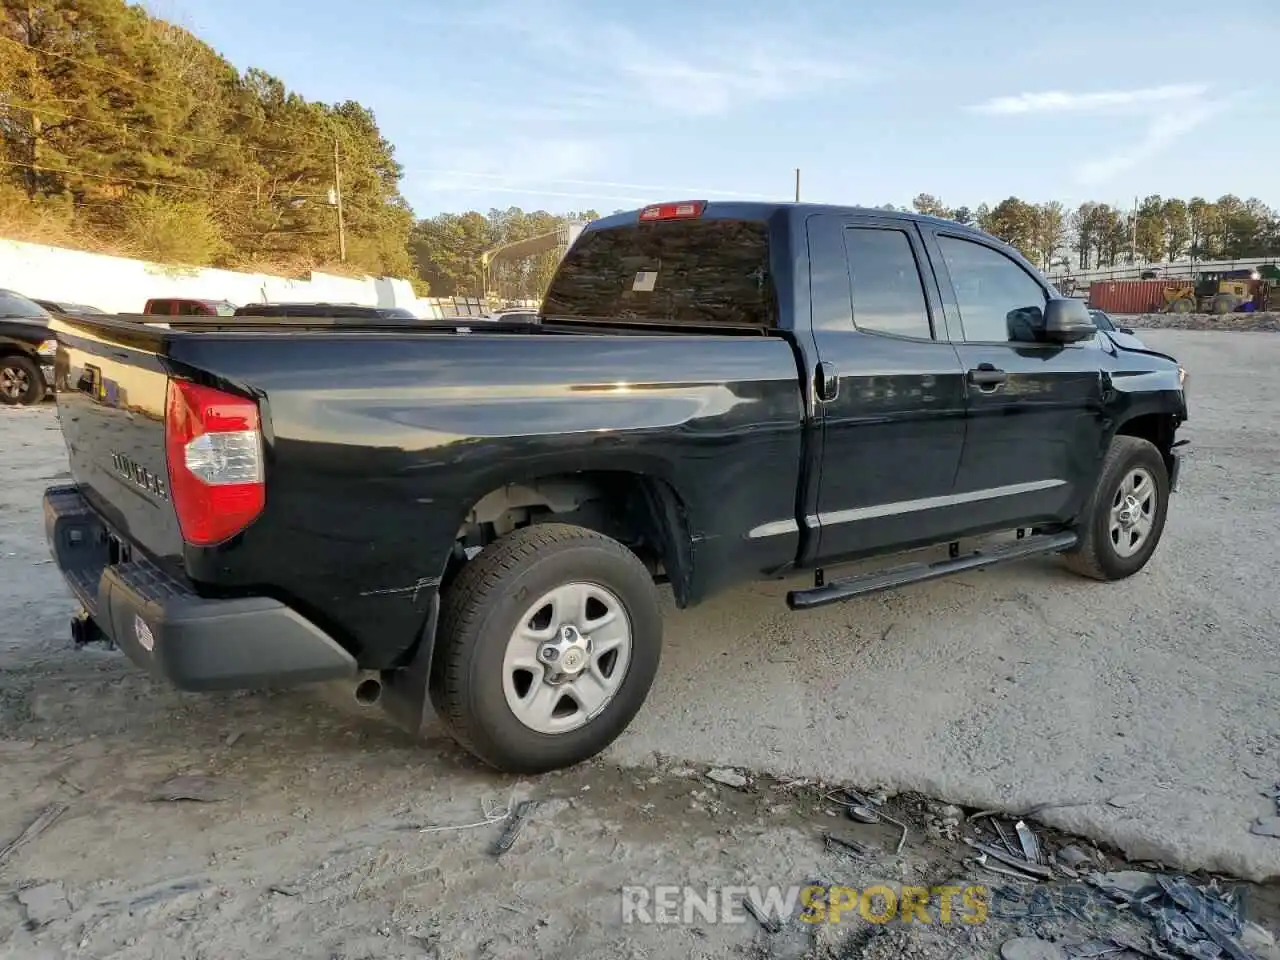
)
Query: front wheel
[
  {"x": 21, "y": 382},
  {"x": 1124, "y": 519},
  {"x": 549, "y": 641}
]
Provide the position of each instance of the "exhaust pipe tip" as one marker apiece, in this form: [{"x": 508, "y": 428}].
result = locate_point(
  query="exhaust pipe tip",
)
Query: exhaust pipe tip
[{"x": 368, "y": 691}]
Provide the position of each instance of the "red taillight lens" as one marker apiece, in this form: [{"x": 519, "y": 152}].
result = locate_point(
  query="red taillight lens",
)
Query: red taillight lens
[
  {"x": 684, "y": 210},
  {"x": 213, "y": 444}
]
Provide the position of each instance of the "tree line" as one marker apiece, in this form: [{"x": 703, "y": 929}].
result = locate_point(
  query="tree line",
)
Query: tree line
[
  {"x": 1097, "y": 235},
  {"x": 125, "y": 133},
  {"x": 122, "y": 131},
  {"x": 446, "y": 250}
]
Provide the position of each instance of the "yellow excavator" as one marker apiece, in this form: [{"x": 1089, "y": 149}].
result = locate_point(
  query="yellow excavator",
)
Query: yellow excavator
[{"x": 1219, "y": 296}]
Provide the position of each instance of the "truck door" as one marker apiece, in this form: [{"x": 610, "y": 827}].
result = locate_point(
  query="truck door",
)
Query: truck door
[
  {"x": 1036, "y": 421},
  {"x": 890, "y": 389}
]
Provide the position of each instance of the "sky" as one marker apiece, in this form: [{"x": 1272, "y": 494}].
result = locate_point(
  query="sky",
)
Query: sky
[{"x": 555, "y": 105}]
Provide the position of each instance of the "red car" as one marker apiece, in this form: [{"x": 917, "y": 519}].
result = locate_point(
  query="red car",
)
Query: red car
[{"x": 184, "y": 307}]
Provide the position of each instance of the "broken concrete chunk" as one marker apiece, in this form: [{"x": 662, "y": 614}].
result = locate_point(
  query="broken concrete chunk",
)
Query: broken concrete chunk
[
  {"x": 1254, "y": 936},
  {"x": 1128, "y": 884},
  {"x": 1031, "y": 948},
  {"x": 1126, "y": 799},
  {"x": 727, "y": 776},
  {"x": 44, "y": 904},
  {"x": 1266, "y": 827},
  {"x": 1073, "y": 856},
  {"x": 1093, "y": 948},
  {"x": 199, "y": 789}
]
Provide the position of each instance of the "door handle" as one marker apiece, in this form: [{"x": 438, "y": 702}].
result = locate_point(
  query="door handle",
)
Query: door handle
[
  {"x": 826, "y": 382},
  {"x": 987, "y": 377}
]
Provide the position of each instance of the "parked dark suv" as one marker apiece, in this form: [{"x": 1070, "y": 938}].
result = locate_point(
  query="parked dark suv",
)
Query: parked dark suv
[{"x": 27, "y": 350}]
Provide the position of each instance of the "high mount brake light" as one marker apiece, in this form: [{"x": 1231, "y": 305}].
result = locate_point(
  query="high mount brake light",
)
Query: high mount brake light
[
  {"x": 213, "y": 445},
  {"x": 684, "y": 210}
]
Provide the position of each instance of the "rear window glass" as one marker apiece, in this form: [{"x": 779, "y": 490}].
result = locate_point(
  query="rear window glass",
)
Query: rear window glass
[{"x": 696, "y": 272}]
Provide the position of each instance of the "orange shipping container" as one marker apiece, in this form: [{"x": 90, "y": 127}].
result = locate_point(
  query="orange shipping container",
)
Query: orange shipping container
[{"x": 1129, "y": 296}]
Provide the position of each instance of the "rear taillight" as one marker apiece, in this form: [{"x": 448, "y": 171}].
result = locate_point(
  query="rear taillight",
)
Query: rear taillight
[
  {"x": 213, "y": 444},
  {"x": 684, "y": 210}
]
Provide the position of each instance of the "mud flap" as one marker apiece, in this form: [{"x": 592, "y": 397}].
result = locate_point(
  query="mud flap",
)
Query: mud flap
[{"x": 406, "y": 691}]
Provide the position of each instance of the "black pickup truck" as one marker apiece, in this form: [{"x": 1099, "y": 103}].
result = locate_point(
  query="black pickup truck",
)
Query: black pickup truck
[{"x": 473, "y": 518}]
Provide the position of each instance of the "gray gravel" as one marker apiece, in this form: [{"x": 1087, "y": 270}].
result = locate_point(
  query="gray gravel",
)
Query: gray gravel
[
  {"x": 1235, "y": 322},
  {"x": 1026, "y": 684},
  {"x": 1010, "y": 688}
]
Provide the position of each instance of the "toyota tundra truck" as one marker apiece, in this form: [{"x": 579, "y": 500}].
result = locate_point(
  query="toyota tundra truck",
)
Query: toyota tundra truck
[{"x": 472, "y": 522}]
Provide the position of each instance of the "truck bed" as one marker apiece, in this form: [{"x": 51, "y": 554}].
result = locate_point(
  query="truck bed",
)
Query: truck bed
[{"x": 378, "y": 441}]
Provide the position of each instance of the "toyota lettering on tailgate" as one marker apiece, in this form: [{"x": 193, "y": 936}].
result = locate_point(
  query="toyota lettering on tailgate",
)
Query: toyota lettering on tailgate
[{"x": 139, "y": 475}]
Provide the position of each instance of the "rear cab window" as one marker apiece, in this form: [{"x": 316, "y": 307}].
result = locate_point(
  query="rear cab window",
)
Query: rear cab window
[
  {"x": 705, "y": 272},
  {"x": 885, "y": 284}
]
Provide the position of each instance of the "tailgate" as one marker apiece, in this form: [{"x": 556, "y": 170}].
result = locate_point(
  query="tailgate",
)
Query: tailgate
[{"x": 112, "y": 381}]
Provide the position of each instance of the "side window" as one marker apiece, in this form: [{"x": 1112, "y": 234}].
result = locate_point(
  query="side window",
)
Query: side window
[
  {"x": 999, "y": 301},
  {"x": 188, "y": 308},
  {"x": 888, "y": 296}
]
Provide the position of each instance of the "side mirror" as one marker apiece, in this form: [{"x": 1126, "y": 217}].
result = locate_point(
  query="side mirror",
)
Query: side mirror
[
  {"x": 1068, "y": 321},
  {"x": 1128, "y": 330}
]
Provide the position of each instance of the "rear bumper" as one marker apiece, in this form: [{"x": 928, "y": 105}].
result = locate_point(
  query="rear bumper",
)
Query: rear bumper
[{"x": 164, "y": 627}]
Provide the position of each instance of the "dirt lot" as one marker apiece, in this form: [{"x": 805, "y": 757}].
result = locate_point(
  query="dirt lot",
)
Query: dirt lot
[{"x": 1153, "y": 702}]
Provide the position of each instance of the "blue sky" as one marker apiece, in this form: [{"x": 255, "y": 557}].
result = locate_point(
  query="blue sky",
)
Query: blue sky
[{"x": 559, "y": 105}]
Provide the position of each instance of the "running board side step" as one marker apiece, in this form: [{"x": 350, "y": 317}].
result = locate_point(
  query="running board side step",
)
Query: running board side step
[{"x": 877, "y": 580}]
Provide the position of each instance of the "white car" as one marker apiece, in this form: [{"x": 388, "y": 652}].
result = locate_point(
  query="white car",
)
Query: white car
[{"x": 1125, "y": 338}]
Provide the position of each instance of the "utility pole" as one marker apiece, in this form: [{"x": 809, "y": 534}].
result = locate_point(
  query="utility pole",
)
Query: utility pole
[
  {"x": 337, "y": 189},
  {"x": 1133, "y": 240},
  {"x": 797, "y": 184}
]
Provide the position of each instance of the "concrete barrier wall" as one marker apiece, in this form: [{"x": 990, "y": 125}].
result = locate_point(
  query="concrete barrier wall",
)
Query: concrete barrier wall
[{"x": 120, "y": 285}]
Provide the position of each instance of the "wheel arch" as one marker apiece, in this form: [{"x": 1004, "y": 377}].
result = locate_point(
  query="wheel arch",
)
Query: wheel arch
[
  {"x": 643, "y": 511},
  {"x": 1157, "y": 427}
]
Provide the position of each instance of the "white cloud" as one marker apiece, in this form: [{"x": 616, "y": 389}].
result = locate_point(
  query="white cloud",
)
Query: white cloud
[
  {"x": 511, "y": 181},
  {"x": 550, "y": 160},
  {"x": 687, "y": 71},
  {"x": 732, "y": 72},
  {"x": 1162, "y": 132},
  {"x": 1170, "y": 111},
  {"x": 1055, "y": 101}
]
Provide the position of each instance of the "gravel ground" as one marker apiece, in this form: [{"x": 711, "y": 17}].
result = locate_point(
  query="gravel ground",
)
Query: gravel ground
[
  {"x": 1154, "y": 700},
  {"x": 1027, "y": 684},
  {"x": 1235, "y": 322}
]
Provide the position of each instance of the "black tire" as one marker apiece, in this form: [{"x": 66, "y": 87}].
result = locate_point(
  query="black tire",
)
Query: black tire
[
  {"x": 1096, "y": 555},
  {"x": 21, "y": 382},
  {"x": 481, "y": 609}
]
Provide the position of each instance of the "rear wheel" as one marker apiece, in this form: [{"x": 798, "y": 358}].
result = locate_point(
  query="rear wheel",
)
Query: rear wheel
[
  {"x": 1124, "y": 519},
  {"x": 21, "y": 381},
  {"x": 549, "y": 642}
]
